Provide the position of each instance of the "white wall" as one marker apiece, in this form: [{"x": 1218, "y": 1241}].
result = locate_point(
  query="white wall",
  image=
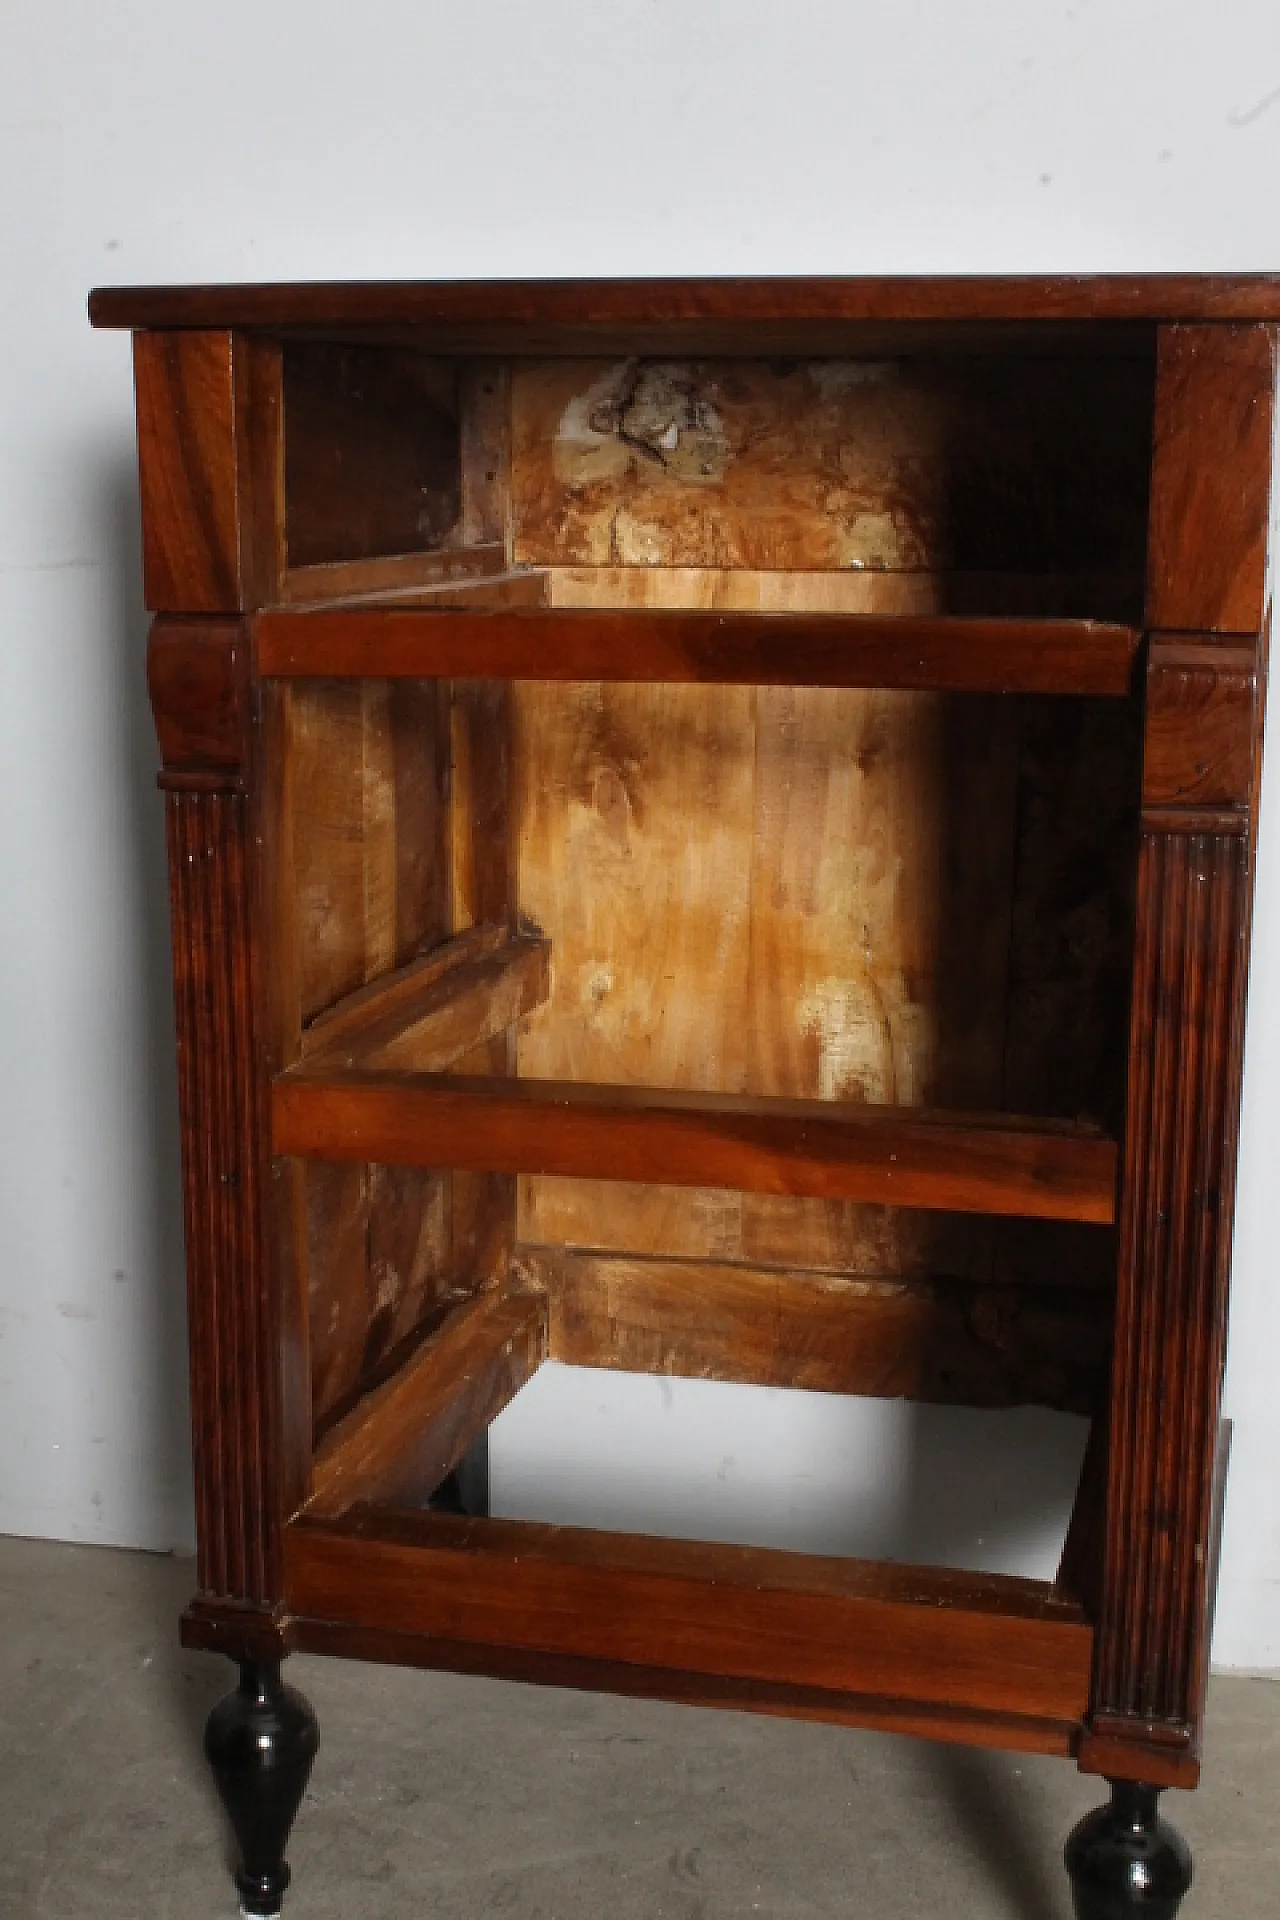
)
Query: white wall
[{"x": 151, "y": 141}]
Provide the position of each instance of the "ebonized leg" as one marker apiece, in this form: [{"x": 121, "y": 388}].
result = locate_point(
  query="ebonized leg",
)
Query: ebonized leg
[
  {"x": 1125, "y": 1862},
  {"x": 260, "y": 1742}
]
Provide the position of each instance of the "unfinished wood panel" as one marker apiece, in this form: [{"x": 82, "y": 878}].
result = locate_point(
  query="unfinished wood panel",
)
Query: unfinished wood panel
[
  {"x": 379, "y": 1261},
  {"x": 187, "y": 472},
  {"x": 717, "y": 1224},
  {"x": 401, "y": 1440},
  {"x": 883, "y": 855},
  {"x": 397, "y": 995},
  {"x": 481, "y": 749},
  {"x": 1211, "y": 478},
  {"x": 367, "y": 871},
  {"x": 899, "y": 595},
  {"x": 865, "y": 840},
  {"x": 484, "y": 404},
  {"x": 634, "y": 824},
  {"x": 837, "y": 464},
  {"x": 482, "y": 864},
  {"x": 881, "y": 864},
  {"x": 450, "y": 1013},
  {"x": 371, "y": 452},
  {"x": 764, "y": 1326},
  {"x": 634, "y": 814},
  {"x": 367, "y": 770},
  {"x": 744, "y": 590}
]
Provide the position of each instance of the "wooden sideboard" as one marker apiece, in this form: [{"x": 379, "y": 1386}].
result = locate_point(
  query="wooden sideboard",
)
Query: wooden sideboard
[{"x": 710, "y": 831}]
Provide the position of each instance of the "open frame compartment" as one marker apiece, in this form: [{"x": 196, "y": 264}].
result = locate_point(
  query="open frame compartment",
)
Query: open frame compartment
[{"x": 700, "y": 833}]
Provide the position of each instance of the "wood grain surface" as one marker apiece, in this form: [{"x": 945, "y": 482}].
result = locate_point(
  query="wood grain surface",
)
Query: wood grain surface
[
  {"x": 740, "y": 1613},
  {"x": 522, "y": 307},
  {"x": 187, "y": 472},
  {"x": 928, "y": 1340},
  {"x": 993, "y": 1164},
  {"x": 967, "y": 655},
  {"x": 1211, "y": 479},
  {"x": 400, "y": 1440}
]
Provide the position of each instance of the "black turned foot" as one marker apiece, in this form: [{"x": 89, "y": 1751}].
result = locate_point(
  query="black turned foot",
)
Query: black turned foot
[
  {"x": 1125, "y": 1862},
  {"x": 260, "y": 1742}
]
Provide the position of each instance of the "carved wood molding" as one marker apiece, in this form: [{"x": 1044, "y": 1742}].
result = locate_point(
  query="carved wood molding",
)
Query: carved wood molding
[
  {"x": 1175, "y": 1238},
  {"x": 197, "y": 670}
]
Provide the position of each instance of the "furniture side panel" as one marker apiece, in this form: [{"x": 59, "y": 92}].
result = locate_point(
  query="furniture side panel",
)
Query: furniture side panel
[
  {"x": 1203, "y": 751},
  {"x": 187, "y": 471},
  {"x": 1211, "y": 479}
]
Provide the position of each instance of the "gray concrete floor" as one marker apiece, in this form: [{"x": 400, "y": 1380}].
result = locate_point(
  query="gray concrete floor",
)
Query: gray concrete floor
[{"x": 454, "y": 1798}]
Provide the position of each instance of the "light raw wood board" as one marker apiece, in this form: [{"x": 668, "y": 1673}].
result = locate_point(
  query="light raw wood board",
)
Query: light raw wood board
[
  {"x": 883, "y": 853},
  {"x": 651, "y": 918},
  {"x": 366, "y": 766},
  {"x": 379, "y": 1260},
  {"x": 367, "y": 777},
  {"x": 784, "y": 893},
  {"x": 742, "y": 590},
  {"x": 483, "y": 893},
  {"x": 484, "y": 407},
  {"x": 746, "y": 590},
  {"x": 830, "y": 465},
  {"x": 938, "y": 1339},
  {"x": 633, "y": 809}
]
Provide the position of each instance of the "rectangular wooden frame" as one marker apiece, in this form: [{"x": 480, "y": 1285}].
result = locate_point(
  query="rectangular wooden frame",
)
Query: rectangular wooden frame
[{"x": 1117, "y": 1678}]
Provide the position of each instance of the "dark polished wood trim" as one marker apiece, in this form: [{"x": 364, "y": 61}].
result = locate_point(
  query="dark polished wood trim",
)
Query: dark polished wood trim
[
  {"x": 973, "y": 1643},
  {"x": 233, "y": 1335},
  {"x": 1199, "y": 724},
  {"x": 992, "y": 1163},
  {"x": 524, "y": 306},
  {"x": 187, "y": 472},
  {"x": 743, "y": 649},
  {"x": 1014, "y": 1733},
  {"x": 197, "y": 672},
  {"x": 1175, "y": 1235},
  {"x": 1211, "y": 479},
  {"x": 197, "y": 675}
]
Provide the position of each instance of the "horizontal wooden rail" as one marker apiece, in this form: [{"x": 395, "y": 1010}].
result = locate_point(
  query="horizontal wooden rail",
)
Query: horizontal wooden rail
[
  {"x": 961, "y": 1342},
  {"x": 429, "y": 1014},
  {"x": 389, "y": 573},
  {"x": 968, "y": 1641},
  {"x": 894, "y": 1156},
  {"x": 810, "y": 650},
  {"x": 401, "y": 1440}
]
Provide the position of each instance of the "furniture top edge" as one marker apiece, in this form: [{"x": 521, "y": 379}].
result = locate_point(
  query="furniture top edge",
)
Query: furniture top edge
[{"x": 580, "y": 304}]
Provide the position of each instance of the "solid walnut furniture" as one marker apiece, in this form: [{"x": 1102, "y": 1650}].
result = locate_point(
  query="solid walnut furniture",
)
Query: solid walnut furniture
[{"x": 711, "y": 828}]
